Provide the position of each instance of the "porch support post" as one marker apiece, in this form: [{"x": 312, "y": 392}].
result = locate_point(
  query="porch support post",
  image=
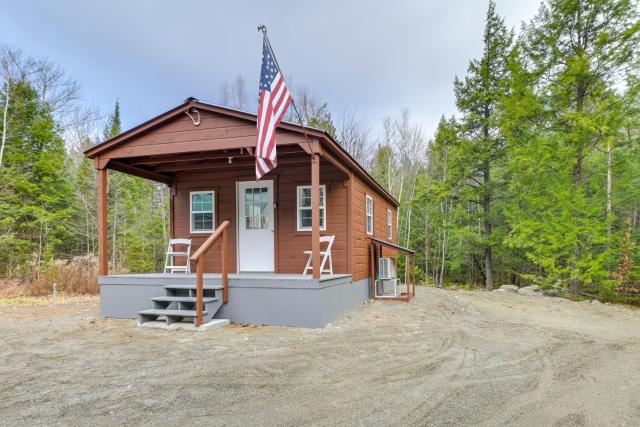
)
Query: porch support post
[
  {"x": 103, "y": 244},
  {"x": 315, "y": 215}
]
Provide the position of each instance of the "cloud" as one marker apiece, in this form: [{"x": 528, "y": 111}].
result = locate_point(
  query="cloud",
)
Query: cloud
[{"x": 376, "y": 56}]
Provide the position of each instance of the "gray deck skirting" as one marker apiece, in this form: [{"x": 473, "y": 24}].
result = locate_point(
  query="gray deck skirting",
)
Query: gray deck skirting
[{"x": 269, "y": 299}]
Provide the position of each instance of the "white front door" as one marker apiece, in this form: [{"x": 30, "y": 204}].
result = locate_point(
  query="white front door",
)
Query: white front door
[{"x": 255, "y": 226}]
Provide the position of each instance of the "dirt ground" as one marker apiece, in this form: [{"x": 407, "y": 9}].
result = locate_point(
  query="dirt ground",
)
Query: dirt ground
[{"x": 446, "y": 358}]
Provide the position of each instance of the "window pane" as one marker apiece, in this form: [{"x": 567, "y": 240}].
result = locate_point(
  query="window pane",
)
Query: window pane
[
  {"x": 202, "y": 211},
  {"x": 202, "y": 202},
  {"x": 207, "y": 202},
  {"x": 202, "y": 221},
  {"x": 322, "y": 197},
  {"x": 305, "y": 197},
  {"x": 305, "y": 218},
  {"x": 207, "y": 221},
  {"x": 255, "y": 206}
]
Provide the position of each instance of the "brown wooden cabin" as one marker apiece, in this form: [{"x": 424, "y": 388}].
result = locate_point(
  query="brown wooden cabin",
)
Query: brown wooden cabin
[{"x": 202, "y": 150}]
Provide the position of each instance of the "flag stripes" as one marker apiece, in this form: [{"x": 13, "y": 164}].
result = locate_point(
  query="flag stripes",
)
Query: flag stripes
[{"x": 273, "y": 103}]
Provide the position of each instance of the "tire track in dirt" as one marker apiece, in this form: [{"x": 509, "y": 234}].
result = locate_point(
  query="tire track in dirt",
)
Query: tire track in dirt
[{"x": 531, "y": 401}]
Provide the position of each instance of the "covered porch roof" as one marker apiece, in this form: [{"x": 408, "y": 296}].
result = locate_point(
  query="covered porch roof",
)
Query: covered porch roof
[{"x": 159, "y": 156}]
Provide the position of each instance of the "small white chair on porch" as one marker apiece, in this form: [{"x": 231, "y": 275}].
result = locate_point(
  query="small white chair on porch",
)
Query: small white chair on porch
[
  {"x": 173, "y": 253},
  {"x": 326, "y": 255}
]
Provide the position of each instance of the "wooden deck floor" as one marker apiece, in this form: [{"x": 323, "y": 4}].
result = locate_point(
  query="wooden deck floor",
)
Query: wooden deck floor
[{"x": 252, "y": 276}]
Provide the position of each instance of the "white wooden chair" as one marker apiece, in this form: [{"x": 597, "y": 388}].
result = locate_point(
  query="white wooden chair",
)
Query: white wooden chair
[
  {"x": 326, "y": 255},
  {"x": 172, "y": 253}
]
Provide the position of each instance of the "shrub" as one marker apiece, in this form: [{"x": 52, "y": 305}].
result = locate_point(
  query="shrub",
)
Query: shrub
[{"x": 78, "y": 276}]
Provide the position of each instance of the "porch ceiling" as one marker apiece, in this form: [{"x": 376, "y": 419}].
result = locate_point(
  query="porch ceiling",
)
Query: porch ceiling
[{"x": 163, "y": 168}]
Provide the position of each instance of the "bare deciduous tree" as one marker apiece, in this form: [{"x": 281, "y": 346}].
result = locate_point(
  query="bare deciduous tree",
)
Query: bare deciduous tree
[
  {"x": 59, "y": 91},
  {"x": 354, "y": 134},
  {"x": 233, "y": 94},
  {"x": 406, "y": 153}
]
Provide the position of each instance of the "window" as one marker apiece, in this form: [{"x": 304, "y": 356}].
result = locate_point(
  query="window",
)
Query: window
[
  {"x": 256, "y": 212},
  {"x": 369, "y": 215},
  {"x": 304, "y": 207},
  {"x": 389, "y": 224},
  {"x": 201, "y": 211}
]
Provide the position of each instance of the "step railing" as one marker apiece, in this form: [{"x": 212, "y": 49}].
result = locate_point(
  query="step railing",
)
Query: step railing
[{"x": 198, "y": 258}]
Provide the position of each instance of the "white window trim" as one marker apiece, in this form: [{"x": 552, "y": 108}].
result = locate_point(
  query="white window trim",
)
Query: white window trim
[
  {"x": 324, "y": 203},
  {"x": 366, "y": 215},
  {"x": 213, "y": 211},
  {"x": 389, "y": 225}
]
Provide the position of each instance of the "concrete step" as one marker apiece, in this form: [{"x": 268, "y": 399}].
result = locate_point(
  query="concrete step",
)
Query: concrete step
[
  {"x": 170, "y": 298},
  {"x": 172, "y": 313},
  {"x": 193, "y": 286},
  {"x": 208, "y": 326}
]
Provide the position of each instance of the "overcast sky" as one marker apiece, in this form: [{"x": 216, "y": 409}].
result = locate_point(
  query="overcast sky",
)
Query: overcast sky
[{"x": 374, "y": 56}]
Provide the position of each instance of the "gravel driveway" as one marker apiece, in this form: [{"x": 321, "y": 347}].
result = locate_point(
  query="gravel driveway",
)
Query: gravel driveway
[{"x": 446, "y": 358}]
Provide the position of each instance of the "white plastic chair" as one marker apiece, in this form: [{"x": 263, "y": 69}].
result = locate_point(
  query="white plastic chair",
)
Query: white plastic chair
[
  {"x": 172, "y": 253},
  {"x": 326, "y": 255}
]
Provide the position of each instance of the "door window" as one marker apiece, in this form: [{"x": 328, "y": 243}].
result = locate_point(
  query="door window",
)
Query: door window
[{"x": 256, "y": 213}]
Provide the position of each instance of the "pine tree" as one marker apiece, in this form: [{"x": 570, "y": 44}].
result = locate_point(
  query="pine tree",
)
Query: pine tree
[
  {"x": 137, "y": 215},
  {"x": 581, "y": 52},
  {"x": 35, "y": 195},
  {"x": 481, "y": 147}
]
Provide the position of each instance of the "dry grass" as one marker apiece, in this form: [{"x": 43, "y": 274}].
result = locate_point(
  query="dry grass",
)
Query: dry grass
[
  {"x": 22, "y": 301},
  {"x": 78, "y": 276}
]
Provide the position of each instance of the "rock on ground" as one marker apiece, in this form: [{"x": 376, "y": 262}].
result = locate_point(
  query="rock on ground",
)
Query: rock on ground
[
  {"x": 533, "y": 290},
  {"x": 509, "y": 288}
]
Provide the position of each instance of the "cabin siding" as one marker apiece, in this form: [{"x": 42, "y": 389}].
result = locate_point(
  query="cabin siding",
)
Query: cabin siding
[
  {"x": 180, "y": 135},
  {"x": 360, "y": 254},
  {"x": 290, "y": 243}
]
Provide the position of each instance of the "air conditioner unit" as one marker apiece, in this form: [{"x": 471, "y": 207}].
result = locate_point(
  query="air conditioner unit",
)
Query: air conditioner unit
[{"x": 386, "y": 269}]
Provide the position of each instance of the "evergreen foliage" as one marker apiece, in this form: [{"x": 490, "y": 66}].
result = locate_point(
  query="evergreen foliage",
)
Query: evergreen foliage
[
  {"x": 547, "y": 136},
  {"x": 535, "y": 180},
  {"x": 34, "y": 203}
]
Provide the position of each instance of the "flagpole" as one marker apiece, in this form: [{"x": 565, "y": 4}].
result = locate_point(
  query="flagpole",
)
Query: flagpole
[{"x": 263, "y": 29}]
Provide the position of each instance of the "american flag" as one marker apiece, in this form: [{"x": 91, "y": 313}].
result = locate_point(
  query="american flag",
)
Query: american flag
[{"x": 274, "y": 100}]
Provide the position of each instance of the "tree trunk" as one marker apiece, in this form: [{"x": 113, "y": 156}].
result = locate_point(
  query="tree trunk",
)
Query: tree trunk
[
  {"x": 609, "y": 190},
  {"x": 4, "y": 123},
  {"x": 487, "y": 229},
  {"x": 574, "y": 280},
  {"x": 426, "y": 247},
  {"x": 609, "y": 180}
]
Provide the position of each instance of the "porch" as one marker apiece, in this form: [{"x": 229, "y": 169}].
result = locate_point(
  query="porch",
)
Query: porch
[{"x": 257, "y": 298}]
